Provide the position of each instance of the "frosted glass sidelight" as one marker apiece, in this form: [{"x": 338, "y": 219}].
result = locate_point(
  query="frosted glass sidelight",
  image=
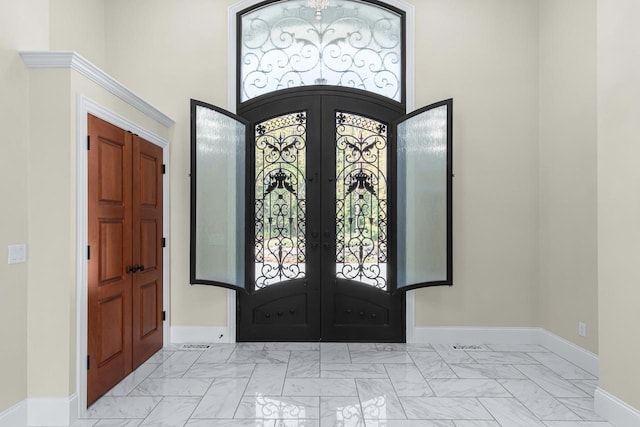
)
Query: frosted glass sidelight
[
  {"x": 218, "y": 206},
  {"x": 423, "y": 220},
  {"x": 350, "y": 43}
]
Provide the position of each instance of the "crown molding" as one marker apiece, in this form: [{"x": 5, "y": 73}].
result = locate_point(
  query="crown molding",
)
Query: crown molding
[{"x": 75, "y": 61}]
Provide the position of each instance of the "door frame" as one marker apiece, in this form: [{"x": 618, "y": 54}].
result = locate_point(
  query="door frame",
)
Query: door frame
[
  {"x": 85, "y": 106},
  {"x": 410, "y": 86}
]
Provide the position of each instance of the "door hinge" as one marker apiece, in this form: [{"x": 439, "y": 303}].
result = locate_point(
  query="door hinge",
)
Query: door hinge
[
  {"x": 88, "y": 252},
  {"x": 88, "y": 362},
  {"x": 164, "y": 242},
  {"x": 88, "y": 142},
  {"x": 164, "y": 315},
  {"x": 164, "y": 169}
]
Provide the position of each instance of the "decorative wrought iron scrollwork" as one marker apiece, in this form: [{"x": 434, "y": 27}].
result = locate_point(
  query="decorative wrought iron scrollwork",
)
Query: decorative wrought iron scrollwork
[
  {"x": 361, "y": 199},
  {"x": 354, "y": 44},
  {"x": 280, "y": 204}
]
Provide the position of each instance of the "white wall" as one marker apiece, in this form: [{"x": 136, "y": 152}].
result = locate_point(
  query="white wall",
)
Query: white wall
[
  {"x": 568, "y": 287},
  {"x": 619, "y": 197}
]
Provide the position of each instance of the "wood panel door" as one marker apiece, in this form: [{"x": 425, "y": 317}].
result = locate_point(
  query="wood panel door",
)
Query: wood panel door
[
  {"x": 147, "y": 250},
  {"x": 125, "y": 254}
]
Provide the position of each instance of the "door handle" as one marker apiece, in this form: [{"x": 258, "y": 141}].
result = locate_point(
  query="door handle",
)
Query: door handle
[{"x": 134, "y": 268}]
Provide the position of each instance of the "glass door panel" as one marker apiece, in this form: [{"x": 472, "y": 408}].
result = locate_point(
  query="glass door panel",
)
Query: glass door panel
[
  {"x": 361, "y": 199},
  {"x": 280, "y": 199},
  {"x": 424, "y": 235},
  {"x": 218, "y": 158}
]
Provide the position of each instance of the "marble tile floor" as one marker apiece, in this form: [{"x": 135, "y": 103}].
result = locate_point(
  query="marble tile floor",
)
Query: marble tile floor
[{"x": 360, "y": 384}]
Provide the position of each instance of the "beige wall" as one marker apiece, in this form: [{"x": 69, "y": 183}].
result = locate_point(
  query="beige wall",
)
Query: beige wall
[
  {"x": 78, "y": 25},
  {"x": 51, "y": 233},
  {"x": 23, "y": 25},
  {"x": 484, "y": 55},
  {"x": 494, "y": 214},
  {"x": 619, "y": 197},
  {"x": 567, "y": 171},
  {"x": 522, "y": 77},
  {"x": 179, "y": 52}
]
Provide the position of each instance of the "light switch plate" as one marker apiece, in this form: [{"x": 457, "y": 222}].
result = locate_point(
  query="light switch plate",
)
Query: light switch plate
[{"x": 17, "y": 254}]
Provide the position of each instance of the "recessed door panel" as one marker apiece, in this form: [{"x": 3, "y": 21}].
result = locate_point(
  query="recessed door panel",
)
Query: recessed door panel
[
  {"x": 149, "y": 309},
  {"x": 149, "y": 254},
  {"x": 111, "y": 241},
  {"x": 112, "y": 324},
  {"x": 112, "y": 171}
]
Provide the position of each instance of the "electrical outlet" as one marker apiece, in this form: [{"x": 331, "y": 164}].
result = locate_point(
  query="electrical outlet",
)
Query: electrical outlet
[{"x": 582, "y": 329}]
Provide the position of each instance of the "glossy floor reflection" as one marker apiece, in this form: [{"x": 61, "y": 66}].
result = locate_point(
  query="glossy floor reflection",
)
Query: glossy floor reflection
[{"x": 362, "y": 384}]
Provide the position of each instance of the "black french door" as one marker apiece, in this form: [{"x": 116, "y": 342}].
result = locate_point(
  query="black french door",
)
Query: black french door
[
  {"x": 320, "y": 255},
  {"x": 321, "y": 207}
]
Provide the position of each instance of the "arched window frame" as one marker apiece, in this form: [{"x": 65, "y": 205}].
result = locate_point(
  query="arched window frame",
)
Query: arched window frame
[{"x": 409, "y": 50}]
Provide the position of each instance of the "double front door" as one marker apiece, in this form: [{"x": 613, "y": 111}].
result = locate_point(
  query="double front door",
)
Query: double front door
[
  {"x": 321, "y": 206},
  {"x": 320, "y": 211},
  {"x": 124, "y": 254}
]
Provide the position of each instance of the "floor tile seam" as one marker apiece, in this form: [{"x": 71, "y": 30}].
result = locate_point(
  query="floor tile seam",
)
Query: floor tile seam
[
  {"x": 244, "y": 391},
  {"x": 476, "y": 396},
  {"x": 433, "y": 393},
  {"x": 490, "y": 413},
  {"x": 149, "y": 413},
  {"x": 360, "y": 402},
  {"x": 578, "y": 415},
  {"x": 557, "y": 400},
  {"x": 569, "y": 362},
  {"x": 539, "y": 385}
]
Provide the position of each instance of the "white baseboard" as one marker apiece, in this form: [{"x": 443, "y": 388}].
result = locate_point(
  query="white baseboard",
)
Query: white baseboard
[
  {"x": 200, "y": 334},
  {"x": 499, "y": 335},
  {"x": 15, "y": 416},
  {"x": 570, "y": 351},
  {"x": 52, "y": 411},
  {"x": 474, "y": 335},
  {"x": 615, "y": 410}
]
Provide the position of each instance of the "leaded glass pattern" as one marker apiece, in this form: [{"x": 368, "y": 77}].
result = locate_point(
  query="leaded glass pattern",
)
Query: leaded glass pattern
[
  {"x": 361, "y": 199},
  {"x": 280, "y": 199},
  {"x": 349, "y": 43}
]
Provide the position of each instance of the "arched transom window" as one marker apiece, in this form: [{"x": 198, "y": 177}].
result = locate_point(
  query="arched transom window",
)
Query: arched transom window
[{"x": 347, "y": 43}]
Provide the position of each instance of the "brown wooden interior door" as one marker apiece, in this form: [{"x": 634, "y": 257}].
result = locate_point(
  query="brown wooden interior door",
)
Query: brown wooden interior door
[
  {"x": 147, "y": 250},
  {"x": 125, "y": 263},
  {"x": 109, "y": 238}
]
